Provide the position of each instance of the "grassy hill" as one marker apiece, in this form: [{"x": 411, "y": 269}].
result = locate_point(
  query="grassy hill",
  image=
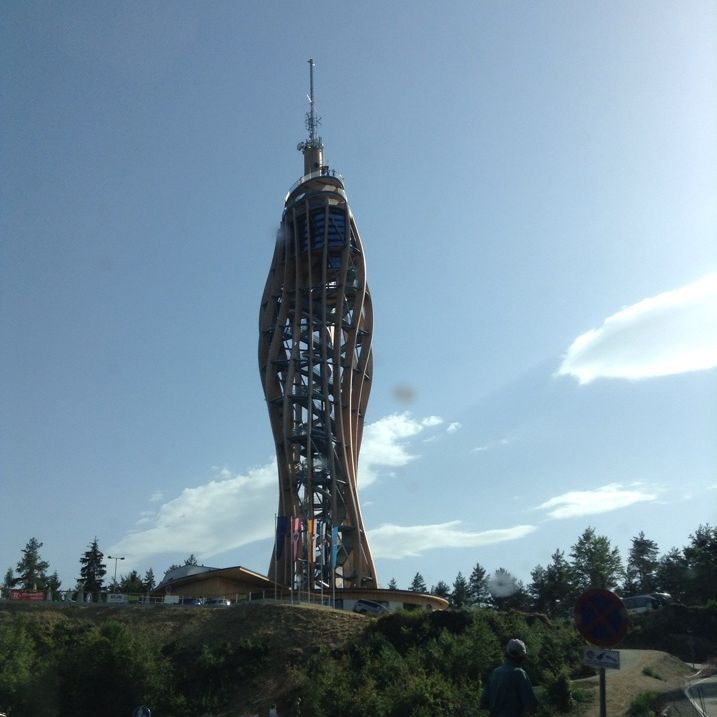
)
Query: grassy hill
[{"x": 90, "y": 660}]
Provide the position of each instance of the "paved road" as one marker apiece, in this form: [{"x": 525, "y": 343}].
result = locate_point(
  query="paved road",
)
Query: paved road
[{"x": 703, "y": 695}]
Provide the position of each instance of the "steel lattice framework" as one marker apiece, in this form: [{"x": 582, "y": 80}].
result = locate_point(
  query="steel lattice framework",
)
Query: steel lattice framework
[{"x": 315, "y": 325}]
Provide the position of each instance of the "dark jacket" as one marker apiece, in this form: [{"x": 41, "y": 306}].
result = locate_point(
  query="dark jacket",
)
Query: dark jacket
[{"x": 508, "y": 692}]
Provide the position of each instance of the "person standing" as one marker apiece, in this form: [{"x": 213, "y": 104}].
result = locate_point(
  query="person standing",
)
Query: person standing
[{"x": 508, "y": 692}]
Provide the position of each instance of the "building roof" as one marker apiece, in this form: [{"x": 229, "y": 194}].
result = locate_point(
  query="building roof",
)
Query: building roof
[{"x": 195, "y": 574}]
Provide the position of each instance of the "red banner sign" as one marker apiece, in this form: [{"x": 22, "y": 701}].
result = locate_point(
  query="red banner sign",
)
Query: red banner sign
[{"x": 26, "y": 595}]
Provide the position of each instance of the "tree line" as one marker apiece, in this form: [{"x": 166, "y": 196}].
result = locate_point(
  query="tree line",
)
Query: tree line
[
  {"x": 31, "y": 573},
  {"x": 687, "y": 574}
]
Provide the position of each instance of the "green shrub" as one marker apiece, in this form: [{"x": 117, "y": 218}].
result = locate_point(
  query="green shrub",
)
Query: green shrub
[
  {"x": 557, "y": 692},
  {"x": 643, "y": 705},
  {"x": 651, "y": 673}
]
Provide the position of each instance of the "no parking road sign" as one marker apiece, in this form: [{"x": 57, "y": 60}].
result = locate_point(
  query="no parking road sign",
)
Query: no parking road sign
[{"x": 600, "y": 617}]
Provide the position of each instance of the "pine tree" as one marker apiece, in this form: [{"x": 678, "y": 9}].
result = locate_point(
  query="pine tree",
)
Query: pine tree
[
  {"x": 552, "y": 590},
  {"x": 131, "y": 583},
  {"x": 93, "y": 570},
  {"x": 507, "y": 591},
  {"x": 478, "y": 585},
  {"x": 701, "y": 557},
  {"x": 595, "y": 563},
  {"x": 441, "y": 589},
  {"x": 8, "y": 582},
  {"x": 640, "y": 572},
  {"x": 671, "y": 574},
  {"x": 31, "y": 569},
  {"x": 149, "y": 581},
  {"x": 191, "y": 560},
  {"x": 460, "y": 597},
  {"x": 53, "y": 586},
  {"x": 392, "y": 584},
  {"x": 418, "y": 584}
]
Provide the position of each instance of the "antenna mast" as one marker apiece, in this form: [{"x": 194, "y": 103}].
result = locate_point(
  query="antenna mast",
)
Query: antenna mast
[
  {"x": 311, "y": 120},
  {"x": 312, "y": 148}
]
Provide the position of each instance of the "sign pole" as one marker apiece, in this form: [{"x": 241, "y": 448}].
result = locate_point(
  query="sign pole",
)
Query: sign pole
[{"x": 601, "y": 618}]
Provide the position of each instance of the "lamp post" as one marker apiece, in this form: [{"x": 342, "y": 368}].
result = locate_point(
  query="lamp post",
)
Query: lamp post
[{"x": 115, "y": 558}]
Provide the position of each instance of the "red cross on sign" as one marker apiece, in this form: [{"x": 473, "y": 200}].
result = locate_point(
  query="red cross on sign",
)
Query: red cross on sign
[{"x": 601, "y": 617}]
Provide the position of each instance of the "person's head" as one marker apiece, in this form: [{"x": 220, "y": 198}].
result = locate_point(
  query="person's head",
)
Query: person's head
[{"x": 516, "y": 650}]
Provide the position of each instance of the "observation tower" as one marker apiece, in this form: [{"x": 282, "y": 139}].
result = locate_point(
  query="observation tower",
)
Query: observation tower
[{"x": 315, "y": 329}]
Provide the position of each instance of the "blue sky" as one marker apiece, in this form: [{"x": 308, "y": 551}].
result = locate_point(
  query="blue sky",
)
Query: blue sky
[{"x": 534, "y": 184}]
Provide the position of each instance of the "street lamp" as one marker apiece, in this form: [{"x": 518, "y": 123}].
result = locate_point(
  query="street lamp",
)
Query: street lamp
[{"x": 115, "y": 558}]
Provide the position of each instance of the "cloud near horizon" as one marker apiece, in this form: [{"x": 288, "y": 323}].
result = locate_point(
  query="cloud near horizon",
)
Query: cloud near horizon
[
  {"x": 577, "y": 503},
  {"x": 230, "y": 511},
  {"x": 233, "y": 509},
  {"x": 394, "y": 542},
  {"x": 671, "y": 333}
]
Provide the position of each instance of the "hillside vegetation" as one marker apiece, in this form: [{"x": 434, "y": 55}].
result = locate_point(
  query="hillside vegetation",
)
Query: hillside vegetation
[{"x": 88, "y": 661}]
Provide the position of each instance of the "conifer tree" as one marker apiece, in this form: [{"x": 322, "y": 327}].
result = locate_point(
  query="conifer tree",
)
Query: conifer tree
[
  {"x": 418, "y": 584},
  {"x": 672, "y": 574},
  {"x": 53, "y": 586},
  {"x": 149, "y": 581},
  {"x": 93, "y": 570},
  {"x": 552, "y": 589},
  {"x": 441, "y": 589},
  {"x": 596, "y": 564},
  {"x": 640, "y": 572},
  {"x": 701, "y": 557},
  {"x": 131, "y": 583},
  {"x": 392, "y": 584},
  {"x": 8, "y": 582},
  {"x": 31, "y": 569},
  {"x": 507, "y": 591},
  {"x": 478, "y": 585},
  {"x": 460, "y": 597}
]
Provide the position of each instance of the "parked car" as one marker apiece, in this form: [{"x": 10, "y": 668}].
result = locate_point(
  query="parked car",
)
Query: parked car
[
  {"x": 191, "y": 602},
  {"x": 640, "y": 603},
  {"x": 217, "y": 602},
  {"x": 369, "y": 607},
  {"x": 662, "y": 598}
]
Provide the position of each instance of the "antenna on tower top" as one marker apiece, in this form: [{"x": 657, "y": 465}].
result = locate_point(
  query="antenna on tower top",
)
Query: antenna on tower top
[
  {"x": 312, "y": 148},
  {"x": 312, "y": 121}
]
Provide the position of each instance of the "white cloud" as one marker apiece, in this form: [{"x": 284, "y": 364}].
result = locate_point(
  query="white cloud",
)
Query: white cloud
[
  {"x": 673, "y": 332},
  {"x": 430, "y": 421},
  {"x": 489, "y": 446},
  {"x": 454, "y": 427},
  {"x": 609, "y": 497},
  {"x": 398, "y": 541},
  {"x": 385, "y": 444},
  {"x": 234, "y": 510},
  {"x": 156, "y": 497},
  {"x": 225, "y": 513}
]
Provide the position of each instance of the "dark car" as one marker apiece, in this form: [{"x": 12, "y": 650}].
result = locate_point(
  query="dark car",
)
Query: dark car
[
  {"x": 191, "y": 602},
  {"x": 217, "y": 602},
  {"x": 369, "y": 607}
]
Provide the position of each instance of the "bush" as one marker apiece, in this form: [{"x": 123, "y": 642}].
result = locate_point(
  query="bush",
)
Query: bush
[
  {"x": 643, "y": 705},
  {"x": 557, "y": 692}
]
